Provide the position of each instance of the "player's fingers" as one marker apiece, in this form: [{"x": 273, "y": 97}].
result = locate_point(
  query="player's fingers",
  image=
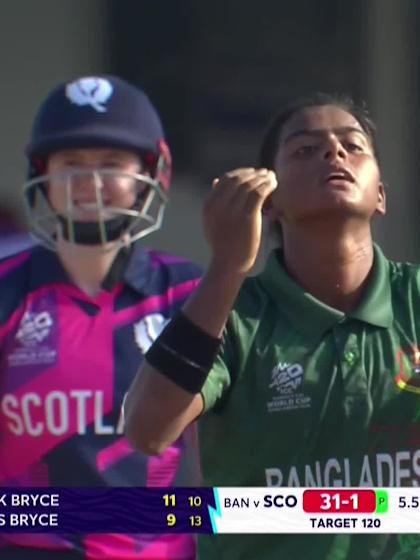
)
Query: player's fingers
[
  {"x": 237, "y": 177},
  {"x": 229, "y": 185},
  {"x": 256, "y": 198},
  {"x": 255, "y": 184},
  {"x": 230, "y": 194},
  {"x": 240, "y": 171},
  {"x": 247, "y": 171}
]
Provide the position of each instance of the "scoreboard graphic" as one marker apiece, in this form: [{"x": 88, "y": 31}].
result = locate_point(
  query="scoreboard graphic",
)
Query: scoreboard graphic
[
  {"x": 320, "y": 510},
  {"x": 210, "y": 510}
]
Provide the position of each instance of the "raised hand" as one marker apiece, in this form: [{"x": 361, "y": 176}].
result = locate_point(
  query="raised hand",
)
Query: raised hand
[{"x": 232, "y": 216}]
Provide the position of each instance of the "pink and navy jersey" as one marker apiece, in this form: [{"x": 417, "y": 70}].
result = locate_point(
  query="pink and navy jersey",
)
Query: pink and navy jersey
[{"x": 66, "y": 362}]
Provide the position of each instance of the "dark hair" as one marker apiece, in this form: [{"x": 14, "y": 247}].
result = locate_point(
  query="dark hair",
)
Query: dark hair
[{"x": 272, "y": 136}]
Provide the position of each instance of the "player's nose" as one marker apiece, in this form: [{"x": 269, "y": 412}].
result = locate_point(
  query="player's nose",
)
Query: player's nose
[
  {"x": 333, "y": 149},
  {"x": 87, "y": 183}
]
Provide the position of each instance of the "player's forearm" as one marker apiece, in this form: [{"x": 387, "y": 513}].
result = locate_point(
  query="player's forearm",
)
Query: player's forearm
[
  {"x": 157, "y": 411},
  {"x": 157, "y": 408},
  {"x": 212, "y": 301}
]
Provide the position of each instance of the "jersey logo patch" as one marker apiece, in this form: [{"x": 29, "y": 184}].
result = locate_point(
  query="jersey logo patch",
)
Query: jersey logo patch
[
  {"x": 34, "y": 328},
  {"x": 148, "y": 329},
  {"x": 408, "y": 377},
  {"x": 35, "y": 342},
  {"x": 286, "y": 378},
  {"x": 90, "y": 91},
  {"x": 285, "y": 381}
]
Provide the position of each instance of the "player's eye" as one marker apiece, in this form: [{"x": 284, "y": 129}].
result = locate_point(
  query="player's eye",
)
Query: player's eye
[
  {"x": 67, "y": 163},
  {"x": 353, "y": 147},
  {"x": 305, "y": 150},
  {"x": 112, "y": 163}
]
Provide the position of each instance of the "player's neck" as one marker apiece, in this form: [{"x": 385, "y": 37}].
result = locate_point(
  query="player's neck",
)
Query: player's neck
[
  {"x": 87, "y": 266},
  {"x": 334, "y": 269}
]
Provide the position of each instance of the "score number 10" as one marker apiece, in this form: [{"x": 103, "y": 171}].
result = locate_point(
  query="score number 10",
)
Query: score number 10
[{"x": 193, "y": 501}]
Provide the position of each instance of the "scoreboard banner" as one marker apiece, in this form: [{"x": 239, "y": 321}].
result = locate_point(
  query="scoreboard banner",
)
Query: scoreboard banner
[{"x": 210, "y": 510}]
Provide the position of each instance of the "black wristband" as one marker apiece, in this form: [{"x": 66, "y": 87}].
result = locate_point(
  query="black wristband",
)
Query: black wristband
[{"x": 184, "y": 353}]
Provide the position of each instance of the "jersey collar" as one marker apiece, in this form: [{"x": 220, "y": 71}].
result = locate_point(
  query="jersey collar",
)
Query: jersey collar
[
  {"x": 131, "y": 266},
  {"x": 311, "y": 315},
  {"x": 140, "y": 274}
]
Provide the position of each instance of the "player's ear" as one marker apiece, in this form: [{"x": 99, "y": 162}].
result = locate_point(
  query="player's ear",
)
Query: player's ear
[{"x": 381, "y": 205}]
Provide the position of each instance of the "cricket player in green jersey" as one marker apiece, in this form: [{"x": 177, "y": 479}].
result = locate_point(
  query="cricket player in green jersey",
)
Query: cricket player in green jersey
[{"x": 308, "y": 374}]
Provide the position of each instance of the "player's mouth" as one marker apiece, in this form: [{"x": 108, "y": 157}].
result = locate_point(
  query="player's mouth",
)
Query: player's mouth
[
  {"x": 339, "y": 177},
  {"x": 91, "y": 211},
  {"x": 89, "y": 206}
]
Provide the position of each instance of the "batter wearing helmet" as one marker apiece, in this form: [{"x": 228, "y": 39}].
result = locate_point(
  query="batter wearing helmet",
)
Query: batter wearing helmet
[{"x": 79, "y": 310}]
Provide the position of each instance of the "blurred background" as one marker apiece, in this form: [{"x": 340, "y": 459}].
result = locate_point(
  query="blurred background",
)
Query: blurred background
[{"x": 217, "y": 71}]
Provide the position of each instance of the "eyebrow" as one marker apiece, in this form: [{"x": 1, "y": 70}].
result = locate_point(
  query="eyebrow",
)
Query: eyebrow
[
  {"x": 75, "y": 152},
  {"x": 68, "y": 152},
  {"x": 319, "y": 131}
]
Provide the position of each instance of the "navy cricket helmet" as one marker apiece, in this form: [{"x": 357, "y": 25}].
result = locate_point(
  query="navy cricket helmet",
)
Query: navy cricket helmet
[{"x": 94, "y": 112}]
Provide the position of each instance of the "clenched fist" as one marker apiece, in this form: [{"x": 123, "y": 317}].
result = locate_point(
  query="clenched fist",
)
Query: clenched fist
[{"x": 233, "y": 216}]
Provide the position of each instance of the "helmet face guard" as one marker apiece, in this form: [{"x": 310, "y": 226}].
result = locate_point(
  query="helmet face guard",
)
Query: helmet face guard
[
  {"x": 96, "y": 112},
  {"x": 96, "y": 220}
]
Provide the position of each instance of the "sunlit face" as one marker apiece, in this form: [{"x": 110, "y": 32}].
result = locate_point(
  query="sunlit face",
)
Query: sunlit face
[
  {"x": 81, "y": 186},
  {"x": 326, "y": 167}
]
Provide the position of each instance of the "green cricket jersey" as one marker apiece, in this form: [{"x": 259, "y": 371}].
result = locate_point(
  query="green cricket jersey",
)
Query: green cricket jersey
[{"x": 304, "y": 395}]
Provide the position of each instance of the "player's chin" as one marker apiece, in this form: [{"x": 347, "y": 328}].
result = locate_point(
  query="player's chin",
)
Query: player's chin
[
  {"x": 341, "y": 199},
  {"x": 340, "y": 208}
]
